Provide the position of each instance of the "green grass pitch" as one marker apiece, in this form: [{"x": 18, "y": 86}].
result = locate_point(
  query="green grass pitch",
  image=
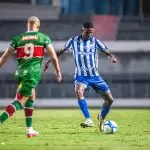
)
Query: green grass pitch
[{"x": 60, "y": 130}]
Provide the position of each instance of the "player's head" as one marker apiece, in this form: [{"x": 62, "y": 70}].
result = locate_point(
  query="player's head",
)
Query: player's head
[
  {"x": 87, "y": 30},
  {"x": 33, "y": 23}
]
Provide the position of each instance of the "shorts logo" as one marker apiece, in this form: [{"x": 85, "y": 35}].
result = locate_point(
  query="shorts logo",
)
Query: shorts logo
[
  {"x": 16, "y": 73},
  {"x": 20, "y": 86},
  {"x": 25, "y": 72}
]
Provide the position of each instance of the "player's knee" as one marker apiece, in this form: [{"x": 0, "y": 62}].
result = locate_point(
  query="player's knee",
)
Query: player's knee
[
  {"x": 21, "y": 99},
  {"x": 110, "y": 101},
  {"x": 108, "y": 98},
  {"x": 79, "y": 93}
]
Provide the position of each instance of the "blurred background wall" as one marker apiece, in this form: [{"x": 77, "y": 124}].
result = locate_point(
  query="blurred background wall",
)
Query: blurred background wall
[{"x": 123, "y": 25}]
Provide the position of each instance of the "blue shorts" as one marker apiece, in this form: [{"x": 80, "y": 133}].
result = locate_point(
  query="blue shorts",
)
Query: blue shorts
[{"x": 97, "y": 83}]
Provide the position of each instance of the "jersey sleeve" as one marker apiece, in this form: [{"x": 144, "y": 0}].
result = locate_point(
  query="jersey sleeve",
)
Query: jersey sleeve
[
  {"x": 100, "y": 46},
  {"x": 47, "y": 41},
  {"x": 68, "y": 45},
  {"x": 13, "y": 43}
]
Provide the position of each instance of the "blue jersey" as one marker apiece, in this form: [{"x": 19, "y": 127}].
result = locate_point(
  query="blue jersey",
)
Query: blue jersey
[{"x": 85, "y": 55}]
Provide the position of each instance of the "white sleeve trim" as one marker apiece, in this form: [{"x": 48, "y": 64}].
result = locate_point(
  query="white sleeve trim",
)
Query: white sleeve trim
[
  {"x": 49, "y": 45},
  {"x": 12, "y": 47}
]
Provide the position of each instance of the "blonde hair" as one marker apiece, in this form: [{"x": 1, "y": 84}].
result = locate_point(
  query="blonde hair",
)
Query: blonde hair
[{"x": 34, "y": 19}]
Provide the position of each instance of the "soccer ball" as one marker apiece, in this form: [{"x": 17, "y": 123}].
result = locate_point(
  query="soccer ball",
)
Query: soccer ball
[{"x": 110, "y": 127}]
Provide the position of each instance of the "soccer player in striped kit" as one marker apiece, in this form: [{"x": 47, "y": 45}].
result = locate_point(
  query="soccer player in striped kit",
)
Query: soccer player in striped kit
[
  {"x": 85, "y": 48},
  {"x": 29, "y": 47}
]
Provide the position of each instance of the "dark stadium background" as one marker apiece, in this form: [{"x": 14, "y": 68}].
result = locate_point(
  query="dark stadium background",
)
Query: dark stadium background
[{"x": 124, "y": 27}]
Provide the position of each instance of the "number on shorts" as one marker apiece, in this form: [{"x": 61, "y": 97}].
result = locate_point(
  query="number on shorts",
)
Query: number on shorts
[{"x": 28, "y": 50}]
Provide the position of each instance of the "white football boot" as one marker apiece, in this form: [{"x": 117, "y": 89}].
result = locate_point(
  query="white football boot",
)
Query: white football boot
[
  {"x": 87, "y": 123},
  {"x": 101, "y": 123},
  {"x": 30, "y": 132}
]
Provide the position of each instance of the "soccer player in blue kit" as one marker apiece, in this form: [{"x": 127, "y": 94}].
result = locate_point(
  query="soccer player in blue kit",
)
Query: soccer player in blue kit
[{"x": 85, "y": 48}]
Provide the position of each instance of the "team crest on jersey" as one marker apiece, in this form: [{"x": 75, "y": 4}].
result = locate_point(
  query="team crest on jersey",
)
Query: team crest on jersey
[{"x": 29, "y": 37}]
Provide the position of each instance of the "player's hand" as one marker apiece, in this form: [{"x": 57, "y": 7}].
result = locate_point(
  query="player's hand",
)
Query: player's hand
[
  {"x": 46, "y": 65},
  {"x": 113, "y": 59},
  {"x": 58, "y": 76}
]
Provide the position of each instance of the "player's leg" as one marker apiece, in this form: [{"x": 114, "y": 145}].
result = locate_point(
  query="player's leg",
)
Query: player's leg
[
  {"x": 29, "y": 83},
  {"x": 16, "y": 105},
  {"x": 108, "y": 100},
  {"x": 28, "y": 110},
  {"x": 100, "y": 86},
  {"x": 79, "y": 90}
]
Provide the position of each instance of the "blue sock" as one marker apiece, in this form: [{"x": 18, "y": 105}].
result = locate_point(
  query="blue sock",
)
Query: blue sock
[
  {"x": 105, "y": 111},
  {"x": 84, "y": 108}
]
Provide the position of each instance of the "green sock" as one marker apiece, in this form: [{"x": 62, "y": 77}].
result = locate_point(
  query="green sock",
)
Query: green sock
[
  {"x": 4, "y": 116},
  {"x": 28, "y": 109},
  {"x": 17, "y": 105},
  {"x": 10, "y": 110}
]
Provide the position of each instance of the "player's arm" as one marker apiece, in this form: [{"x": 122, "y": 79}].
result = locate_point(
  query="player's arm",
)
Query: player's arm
[
  {"x": 53, "y": 57},
  {"x": 6, "y": 55},
  {"x": 102, "y": 48},
  {"x": 111, "y": 57},
  {"x": 58, "y": 54},
  {"x": 68, "y": 46}
]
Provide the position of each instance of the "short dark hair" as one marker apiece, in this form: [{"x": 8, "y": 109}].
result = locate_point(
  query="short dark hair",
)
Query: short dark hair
[{"x": 88, "y": 25}]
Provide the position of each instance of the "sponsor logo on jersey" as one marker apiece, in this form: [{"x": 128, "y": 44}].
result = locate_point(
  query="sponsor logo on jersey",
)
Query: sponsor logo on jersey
[{"x": 29, "y": 37}]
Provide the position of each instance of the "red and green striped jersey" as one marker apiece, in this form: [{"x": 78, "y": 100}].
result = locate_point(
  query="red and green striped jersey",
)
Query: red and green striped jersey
[{"x": 29, "y": 47}]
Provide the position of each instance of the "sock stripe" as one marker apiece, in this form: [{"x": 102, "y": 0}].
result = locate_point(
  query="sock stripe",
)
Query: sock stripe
[
  {"x": 28, "y": 108},
  {"x": 6, "y": 113},
  {"x": 10, "y": 110},
  {"x": 28, "y": 116}
]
